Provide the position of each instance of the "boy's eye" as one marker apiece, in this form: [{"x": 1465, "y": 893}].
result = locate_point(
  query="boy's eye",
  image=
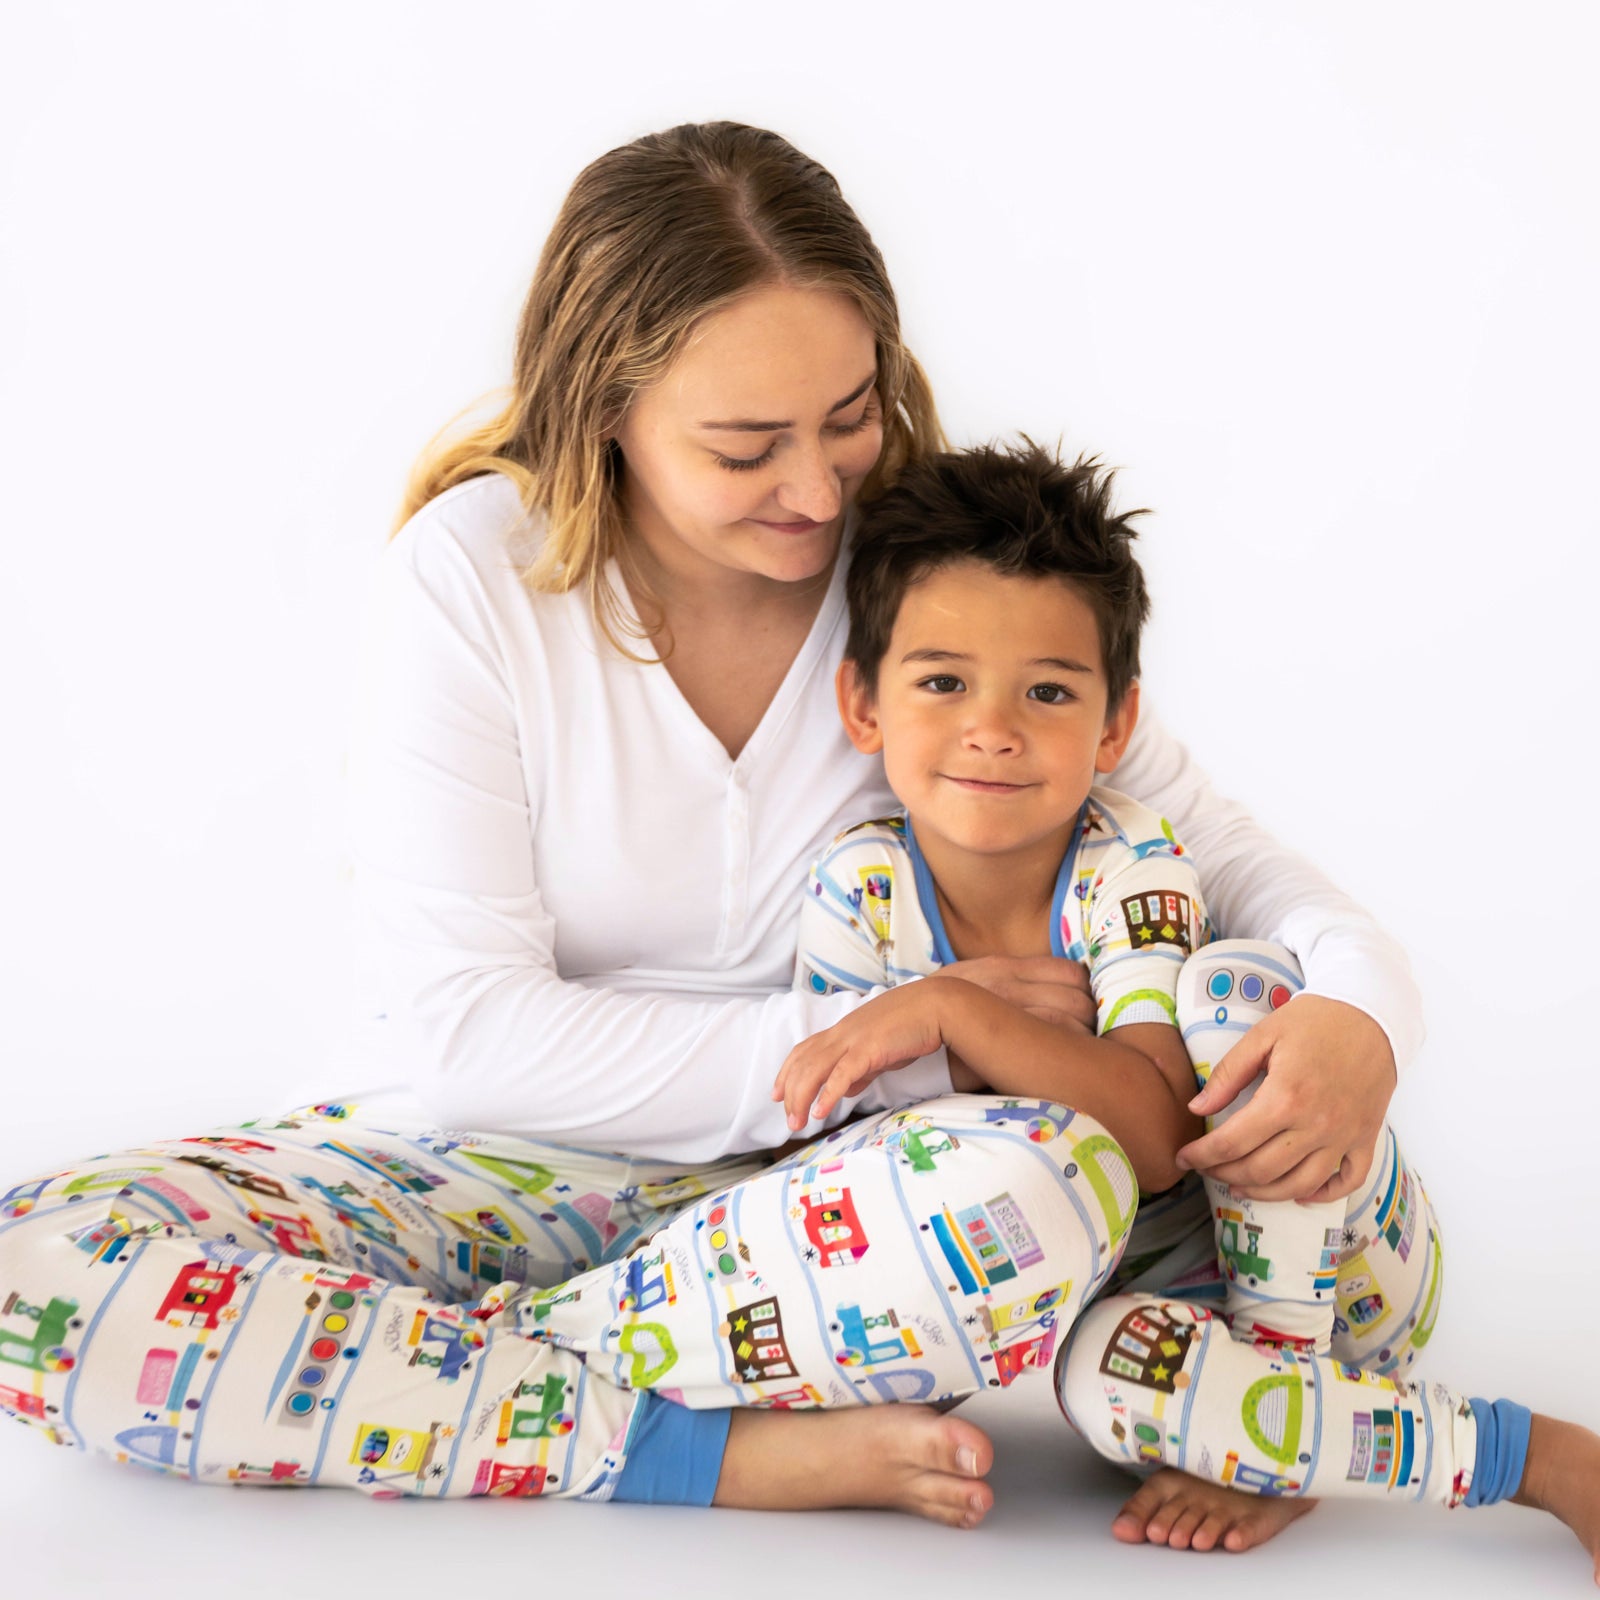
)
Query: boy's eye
[
  {"x": 1051, "y": 694},
  {"x": 941, "y": 683}
]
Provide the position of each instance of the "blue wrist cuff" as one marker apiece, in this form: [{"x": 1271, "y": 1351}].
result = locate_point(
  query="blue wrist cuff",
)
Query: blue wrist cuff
[
  {"x": 1502, "y": 1450},
  {"x": 674, "y": 1455}
]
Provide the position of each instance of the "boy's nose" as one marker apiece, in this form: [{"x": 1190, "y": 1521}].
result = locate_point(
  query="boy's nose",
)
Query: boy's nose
[{"x": 993, "y": 734}]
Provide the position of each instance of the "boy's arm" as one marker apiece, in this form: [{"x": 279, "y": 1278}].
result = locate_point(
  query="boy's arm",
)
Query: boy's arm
[
  {"x": 1135, "y": 1082},
  {"x": 840, "y": 944}
]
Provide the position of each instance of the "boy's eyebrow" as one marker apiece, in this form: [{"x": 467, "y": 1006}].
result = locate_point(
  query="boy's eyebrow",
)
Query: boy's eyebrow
[
  {"x": 1060, "y": 662},
  {"x": 778, "y": 427}
]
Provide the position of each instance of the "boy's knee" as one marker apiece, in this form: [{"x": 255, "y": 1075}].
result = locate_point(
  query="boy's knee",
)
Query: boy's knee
[
  {"x": 1228, "y": 986},
  {"x": 1084, "y": 1392},
  {"x": 1123, "y": 1377},
  {"x": 1007, "y": 1146}
]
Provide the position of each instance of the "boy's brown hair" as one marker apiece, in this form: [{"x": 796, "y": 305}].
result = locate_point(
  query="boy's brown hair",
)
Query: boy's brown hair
[{"x": 1018, "y": 509}]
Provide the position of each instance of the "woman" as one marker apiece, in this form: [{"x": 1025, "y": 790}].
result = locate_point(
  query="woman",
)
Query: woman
[{"x": 598, "y": 751}]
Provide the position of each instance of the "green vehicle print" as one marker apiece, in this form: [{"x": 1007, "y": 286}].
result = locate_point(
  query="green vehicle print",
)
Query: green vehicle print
[
  {"x": 45, "y": 1351},
  {"x": 1238, "y": 1243},
  {"x": 918, "y": 1147}
]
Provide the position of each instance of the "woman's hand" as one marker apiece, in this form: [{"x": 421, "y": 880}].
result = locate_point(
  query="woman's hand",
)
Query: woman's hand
[
  {"x": 1048, "y": 987},
  {"x": 888, "y": 1032},
  {"x": 1310, "y": 1131}
]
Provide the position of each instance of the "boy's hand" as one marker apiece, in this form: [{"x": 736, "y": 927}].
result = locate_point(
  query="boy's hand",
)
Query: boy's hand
[
  {"x": 1310, "y": 1131},
  {"x": 888, "y": 1032},
  {"x": 1051, "y": 988}
]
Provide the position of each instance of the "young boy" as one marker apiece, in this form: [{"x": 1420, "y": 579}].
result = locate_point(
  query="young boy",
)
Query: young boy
[
  {"x": 995, "y": 612},
  {"x": 997, "y": 674}
]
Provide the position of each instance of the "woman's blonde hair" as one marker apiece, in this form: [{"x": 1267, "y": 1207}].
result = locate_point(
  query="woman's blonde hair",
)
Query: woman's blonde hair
[{"x": 652, "y": 237}]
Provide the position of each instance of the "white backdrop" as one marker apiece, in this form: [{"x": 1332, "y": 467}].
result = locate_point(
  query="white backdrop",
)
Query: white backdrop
[{"x": 1322, "y": 278}]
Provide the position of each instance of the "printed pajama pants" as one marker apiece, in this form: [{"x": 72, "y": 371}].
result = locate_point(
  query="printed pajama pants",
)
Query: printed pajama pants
[
  {"x": 314, "y": 1300},
  {"x": 311, "y": 1300},
  {"x": 1283, "y": 1376}
]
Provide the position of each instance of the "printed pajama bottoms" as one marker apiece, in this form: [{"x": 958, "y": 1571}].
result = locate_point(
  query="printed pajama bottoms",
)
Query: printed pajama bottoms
[
  {"x": 1282, "y": 1377},
  {"x": 312, "y": 1300}
]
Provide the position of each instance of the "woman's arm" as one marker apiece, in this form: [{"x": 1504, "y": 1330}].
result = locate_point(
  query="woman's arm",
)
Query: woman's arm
[
  {"x": 442, "y": 827},
  {"x": 1331, "y": 1065}
]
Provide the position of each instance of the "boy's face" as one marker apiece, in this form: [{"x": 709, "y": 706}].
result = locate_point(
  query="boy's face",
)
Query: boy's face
[{"x": 990, "y": 708}]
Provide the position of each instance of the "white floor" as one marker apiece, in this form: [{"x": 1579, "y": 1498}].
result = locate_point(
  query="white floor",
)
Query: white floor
[{"x": 88, "y": 1528}]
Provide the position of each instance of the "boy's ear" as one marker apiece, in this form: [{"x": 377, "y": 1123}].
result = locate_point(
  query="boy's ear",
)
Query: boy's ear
[
  {"x": 1119, "y": 730},
  {"x": 858, "y": 708}
]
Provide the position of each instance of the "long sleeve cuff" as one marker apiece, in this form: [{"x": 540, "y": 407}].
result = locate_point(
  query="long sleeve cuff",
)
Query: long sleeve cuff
[{"x": 1357, "y": 963}]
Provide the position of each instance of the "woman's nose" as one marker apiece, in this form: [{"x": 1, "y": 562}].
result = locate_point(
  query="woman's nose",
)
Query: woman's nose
[{"x": 811, "y": 486}]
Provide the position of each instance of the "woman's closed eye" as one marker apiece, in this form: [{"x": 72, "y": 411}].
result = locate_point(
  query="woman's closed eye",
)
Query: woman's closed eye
[
  {"x": 841, "y": 430},
  {"x": 746, "y": 463}
]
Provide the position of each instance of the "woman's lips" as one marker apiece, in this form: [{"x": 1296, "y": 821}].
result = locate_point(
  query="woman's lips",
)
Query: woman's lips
[{"x": 788, "y": 527}]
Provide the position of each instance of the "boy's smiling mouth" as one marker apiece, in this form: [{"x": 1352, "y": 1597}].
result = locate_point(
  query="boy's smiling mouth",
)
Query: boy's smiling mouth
[{"x": 983, "y": 786}]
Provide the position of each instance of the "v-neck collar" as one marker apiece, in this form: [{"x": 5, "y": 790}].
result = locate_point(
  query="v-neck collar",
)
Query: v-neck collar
[
  {"x": 829, "y": 616},
  {"x": 928, "y": 897}
]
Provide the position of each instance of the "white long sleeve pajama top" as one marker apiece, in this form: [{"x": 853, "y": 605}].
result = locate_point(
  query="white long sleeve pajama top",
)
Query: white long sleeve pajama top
[{"x": 581, "y": 914}]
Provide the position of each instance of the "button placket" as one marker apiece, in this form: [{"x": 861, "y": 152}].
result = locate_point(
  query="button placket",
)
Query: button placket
[{"x": 736, "y": 885}]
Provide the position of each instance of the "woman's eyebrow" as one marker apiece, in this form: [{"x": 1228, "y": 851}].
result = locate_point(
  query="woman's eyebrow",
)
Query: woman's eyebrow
[{"x": 778, "y": 427}]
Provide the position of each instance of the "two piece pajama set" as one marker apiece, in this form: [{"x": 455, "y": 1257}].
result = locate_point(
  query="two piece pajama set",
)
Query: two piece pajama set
[{"x": 316, "y": 1299}]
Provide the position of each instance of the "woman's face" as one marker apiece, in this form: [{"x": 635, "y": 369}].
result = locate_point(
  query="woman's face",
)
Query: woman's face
[{"x": 743, "y": 458}]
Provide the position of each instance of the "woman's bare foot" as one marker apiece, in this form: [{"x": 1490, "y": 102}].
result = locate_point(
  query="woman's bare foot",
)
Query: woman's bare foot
[
  {"x": 905, "y": 1457},
  {"x": 1562, "y": 1476},
  {"x": 1188, "y": 1513}
]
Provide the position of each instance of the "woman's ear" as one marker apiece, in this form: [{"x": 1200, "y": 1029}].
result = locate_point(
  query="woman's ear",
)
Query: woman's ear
[
  {"x": 858, "y": 708},
  {"x": 1118, "y": 731}
]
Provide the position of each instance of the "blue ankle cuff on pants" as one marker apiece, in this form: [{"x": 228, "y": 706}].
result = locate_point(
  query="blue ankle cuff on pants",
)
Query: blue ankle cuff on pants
[
  {"x": 674, "y": 1455},
  {"x": 1502, "y": 1450}
]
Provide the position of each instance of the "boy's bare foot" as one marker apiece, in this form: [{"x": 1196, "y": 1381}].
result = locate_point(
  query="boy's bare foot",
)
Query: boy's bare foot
[
  {"x": 1562, "y": 1476},
  {"x": 1188, "y": 1513},
  {"x": 904, "y": 1457}
]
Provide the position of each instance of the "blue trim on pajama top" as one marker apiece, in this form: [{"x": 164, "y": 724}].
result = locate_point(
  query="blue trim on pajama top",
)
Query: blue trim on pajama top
[{"x": 928, "y": 899}]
